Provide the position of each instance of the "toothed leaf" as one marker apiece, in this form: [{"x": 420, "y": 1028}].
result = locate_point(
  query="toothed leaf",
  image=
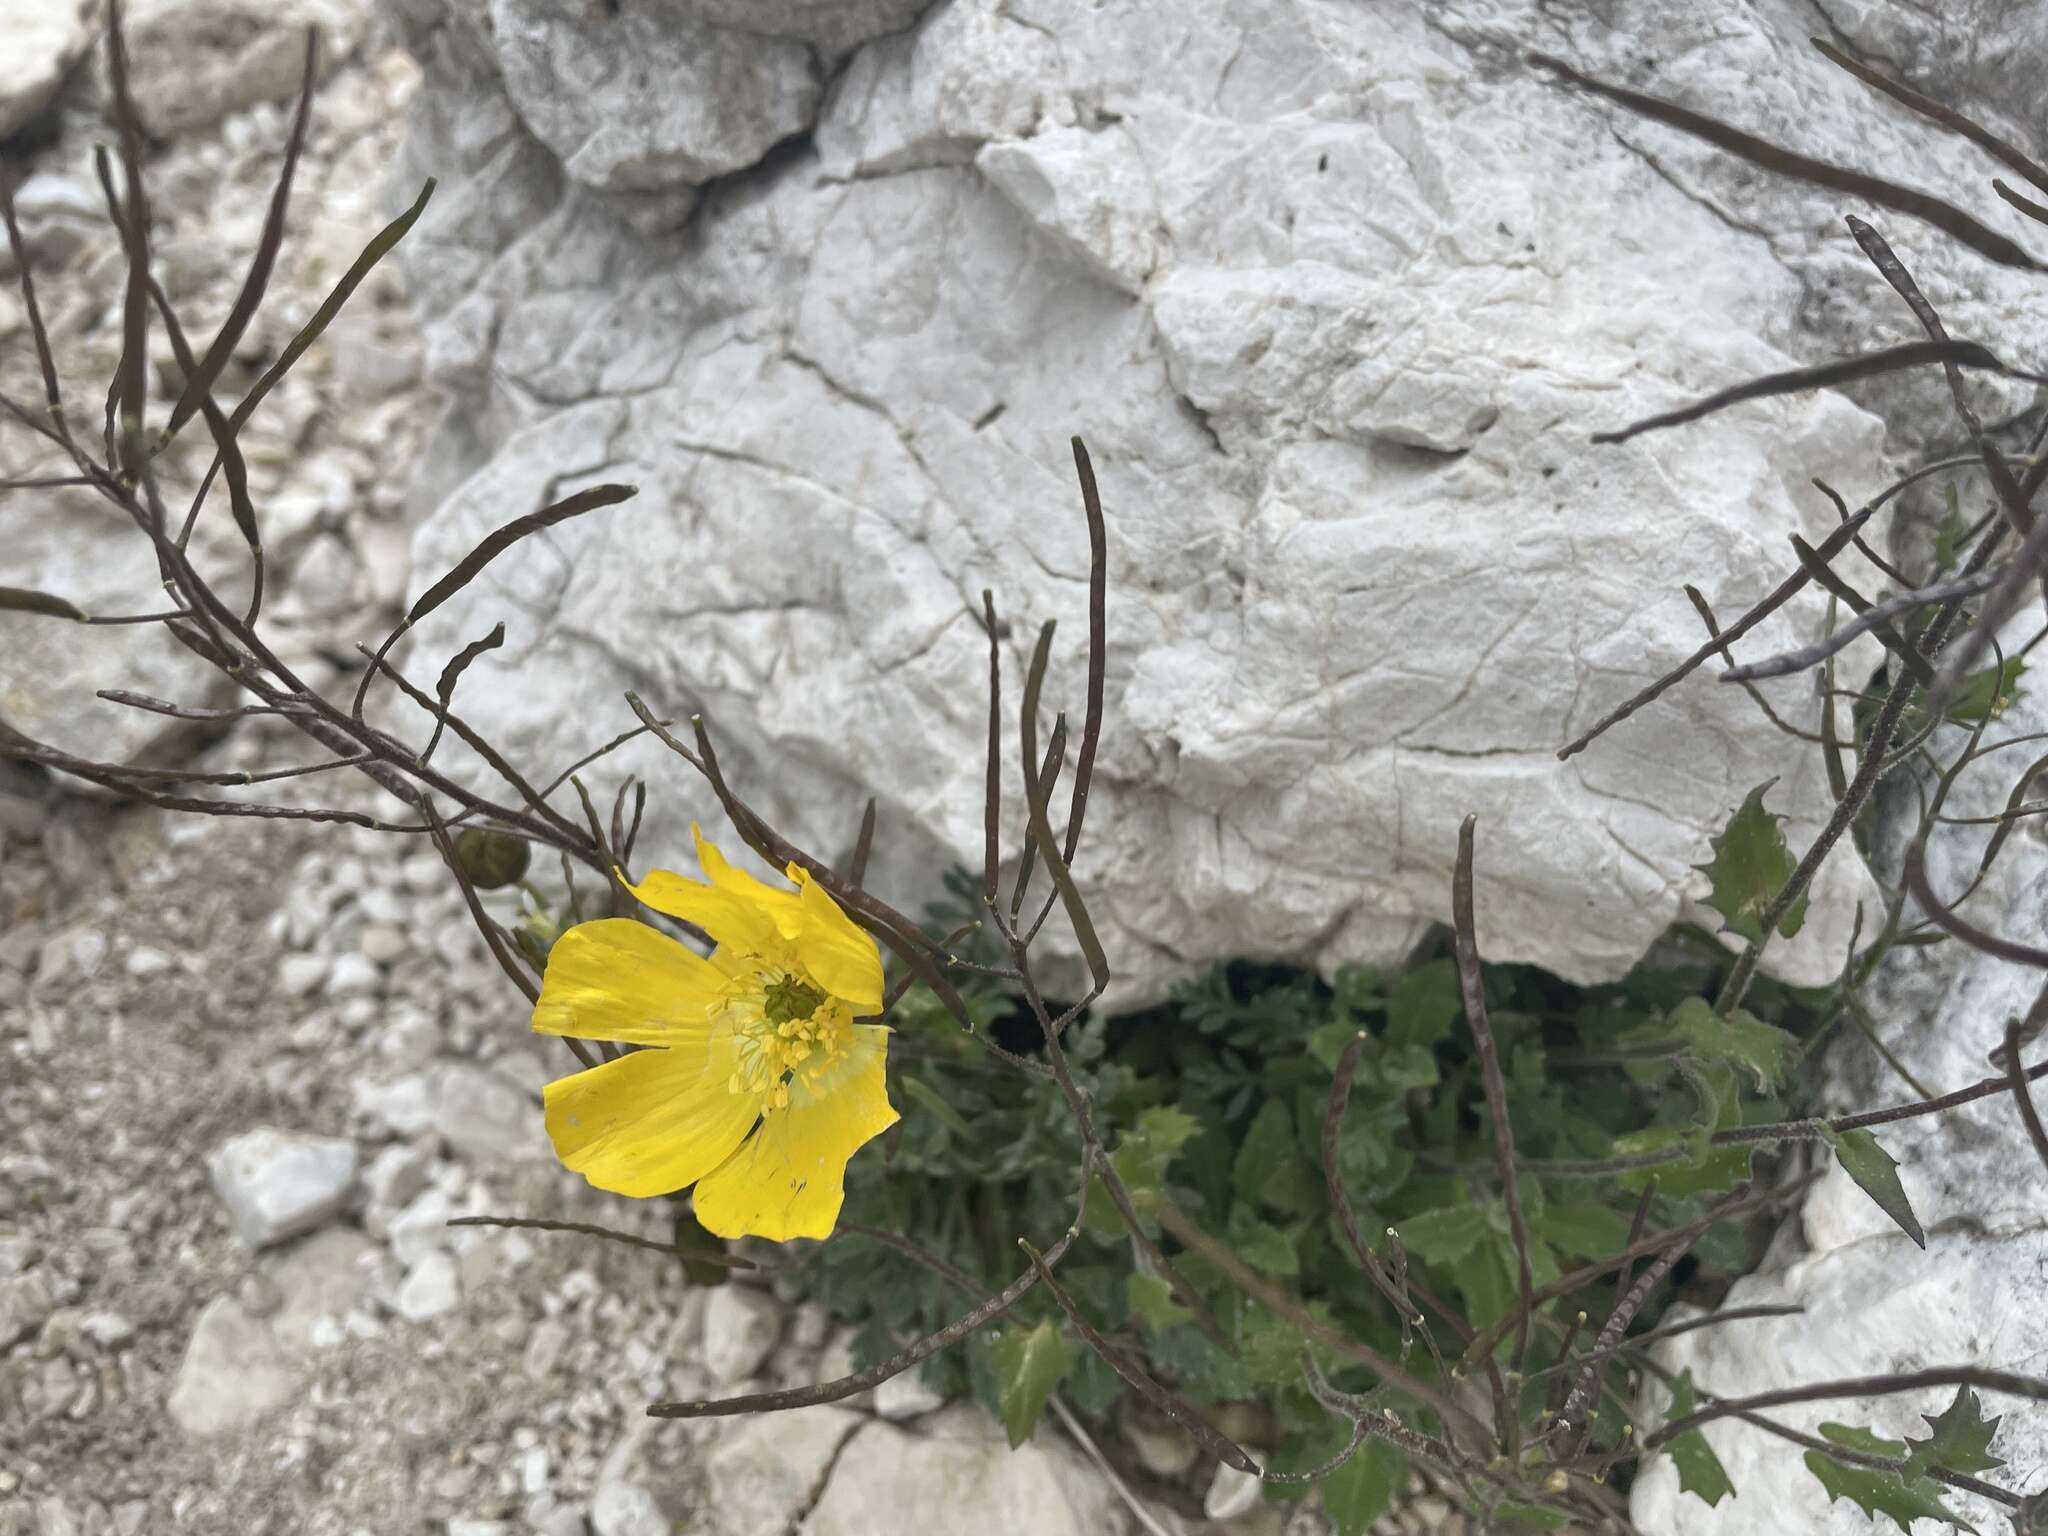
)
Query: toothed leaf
[{"x": 1750, "y": 866}]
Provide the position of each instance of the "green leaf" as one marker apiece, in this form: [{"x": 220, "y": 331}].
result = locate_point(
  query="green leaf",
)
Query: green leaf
[
  {"x": 1961, "y": 1441},
  {"x": 1444, "y": 1236},
  {"x": 1423, "y": 1004},
  {"x": 1360, "y": 1491},
  {"x": 1326, "y": 1042},
  {"x": 1261, "y": 1244},
  {"x": 1699, "y": 1469},
  {"x": 1874, "y": 1491},
  {"x": 1028, "y": 1367},
  {"x": 1750, "y": 866},
  {"x": 1152, "y": 1299},
  {"x": 1740, "y": 1039},
  {"x": 1590, "y": 1231},
  {"x": 1271, "y": 1347},
  {"x": 1877, "y": 1175},
  {"x": 1166, "y": 1130},
  {"x": 1371, "y": 1163},
  {"x": 1987, "y": 694},
  {"x": 1486, "y": 1278},
  {"x": 928, "y": 1098},
  {"x": 1357, "y": 988},
  {"x": 1141, "y": 1159},
  {"x": 1401, "y": 1067},
  {"x": 1855, "y": 1438},
  {"x": 1706, "y": 1169},
  {"x": 1204, "y": 1373},
  {"x": 1294, "y": 1187},
  {"x": 1092, "y": 1386},
  {"x": 1268, "y": 1143}
]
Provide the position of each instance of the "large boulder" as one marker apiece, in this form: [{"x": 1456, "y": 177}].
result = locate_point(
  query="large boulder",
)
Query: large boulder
[{"x": 1335, "y": 294}]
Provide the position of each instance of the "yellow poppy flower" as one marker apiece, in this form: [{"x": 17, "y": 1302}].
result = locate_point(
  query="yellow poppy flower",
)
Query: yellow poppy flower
[{"x": 757, "y": 1085}]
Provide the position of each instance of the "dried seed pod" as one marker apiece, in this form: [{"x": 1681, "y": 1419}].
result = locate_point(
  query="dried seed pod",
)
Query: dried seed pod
[{"x": 492, "y": 860}]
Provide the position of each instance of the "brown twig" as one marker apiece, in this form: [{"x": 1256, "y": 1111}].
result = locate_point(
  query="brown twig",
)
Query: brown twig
[{"x": 1472, "y": 989}]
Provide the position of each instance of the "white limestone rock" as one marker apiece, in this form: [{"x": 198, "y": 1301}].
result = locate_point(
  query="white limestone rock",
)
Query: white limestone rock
[
  {"x": 641, "y": 1490},
  {"x": 485, "y": 1117},
  {"x": 432, "y": 1288},
  {"x": 44, "y": 39},
  {"x": 1879, "y": 1308},
  {"x": 25, "y": 1304},
  {"x": 969, "y": 74},
  {"x": 907, "y": 1395},
  {"x": 1336, "y": 295},
  {"x": 741, "y": 1325},
  {"x": 395, "y": 1175},
  {"x": 1088, "y": 189},
  {"x": 1873, "y": 1302},
  {"x": 831, "y": 26},
  {"x": 233, "y": 1373},
  {"x": 201, "y": 60},
  {"x": 321, "y": 1277},
  {"x": 402, "y": 1106},
  {"x": 73, "y": 548},
  {"x": 277, "y": 1183},
  {"x": 421, "y": 1228},
  {"x": 958, "y": 1473},
  {"x": 646, "y": 97},
  {"x": 760, "y": 1475}
]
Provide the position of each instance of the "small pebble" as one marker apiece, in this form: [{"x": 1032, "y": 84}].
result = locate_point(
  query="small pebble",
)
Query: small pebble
[
  {"x": 110, "y": 1330},
  {"x": 352, "y": 975},
  {"x": 381, "y": 943},
  {"x": 143, "y": 962},
  {"x": 301, "y": 975},
  {"x": 431, "y": 1289}
]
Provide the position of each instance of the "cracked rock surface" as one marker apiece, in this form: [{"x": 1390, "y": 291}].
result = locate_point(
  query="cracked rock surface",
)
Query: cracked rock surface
[{"x": 1335, "y": 294}]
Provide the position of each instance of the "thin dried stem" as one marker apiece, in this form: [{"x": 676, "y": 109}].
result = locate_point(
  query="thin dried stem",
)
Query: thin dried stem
[
  {"x": 610, "y": 1235},
  {"x": 1472, "y": 990}
]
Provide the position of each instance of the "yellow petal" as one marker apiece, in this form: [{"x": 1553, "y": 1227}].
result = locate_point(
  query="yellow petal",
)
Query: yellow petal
[
  {"x": 840, "y": 956},
  {"x": 789, "y": 1180},
  {"x": 616, "y": 979},
  {"x": 780, "y": 906},
  {"x": 735, "y": 908},
  {"x": 650, "y": 1122},
  {"x": 729, "y": 921}
]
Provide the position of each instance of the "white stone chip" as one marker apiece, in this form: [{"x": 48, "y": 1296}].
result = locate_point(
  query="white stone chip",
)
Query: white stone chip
[
  {"x": 431, "y": 1288},
  {"x": 352, "y": 975},
  {"x": 233, "y": 1372},
  {"x": 741, "y": 1325},
  {"x": 301, "y": 975},
  {"x": 1231, "y": 1493},
  {"x": 277, "y": 1183}
]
